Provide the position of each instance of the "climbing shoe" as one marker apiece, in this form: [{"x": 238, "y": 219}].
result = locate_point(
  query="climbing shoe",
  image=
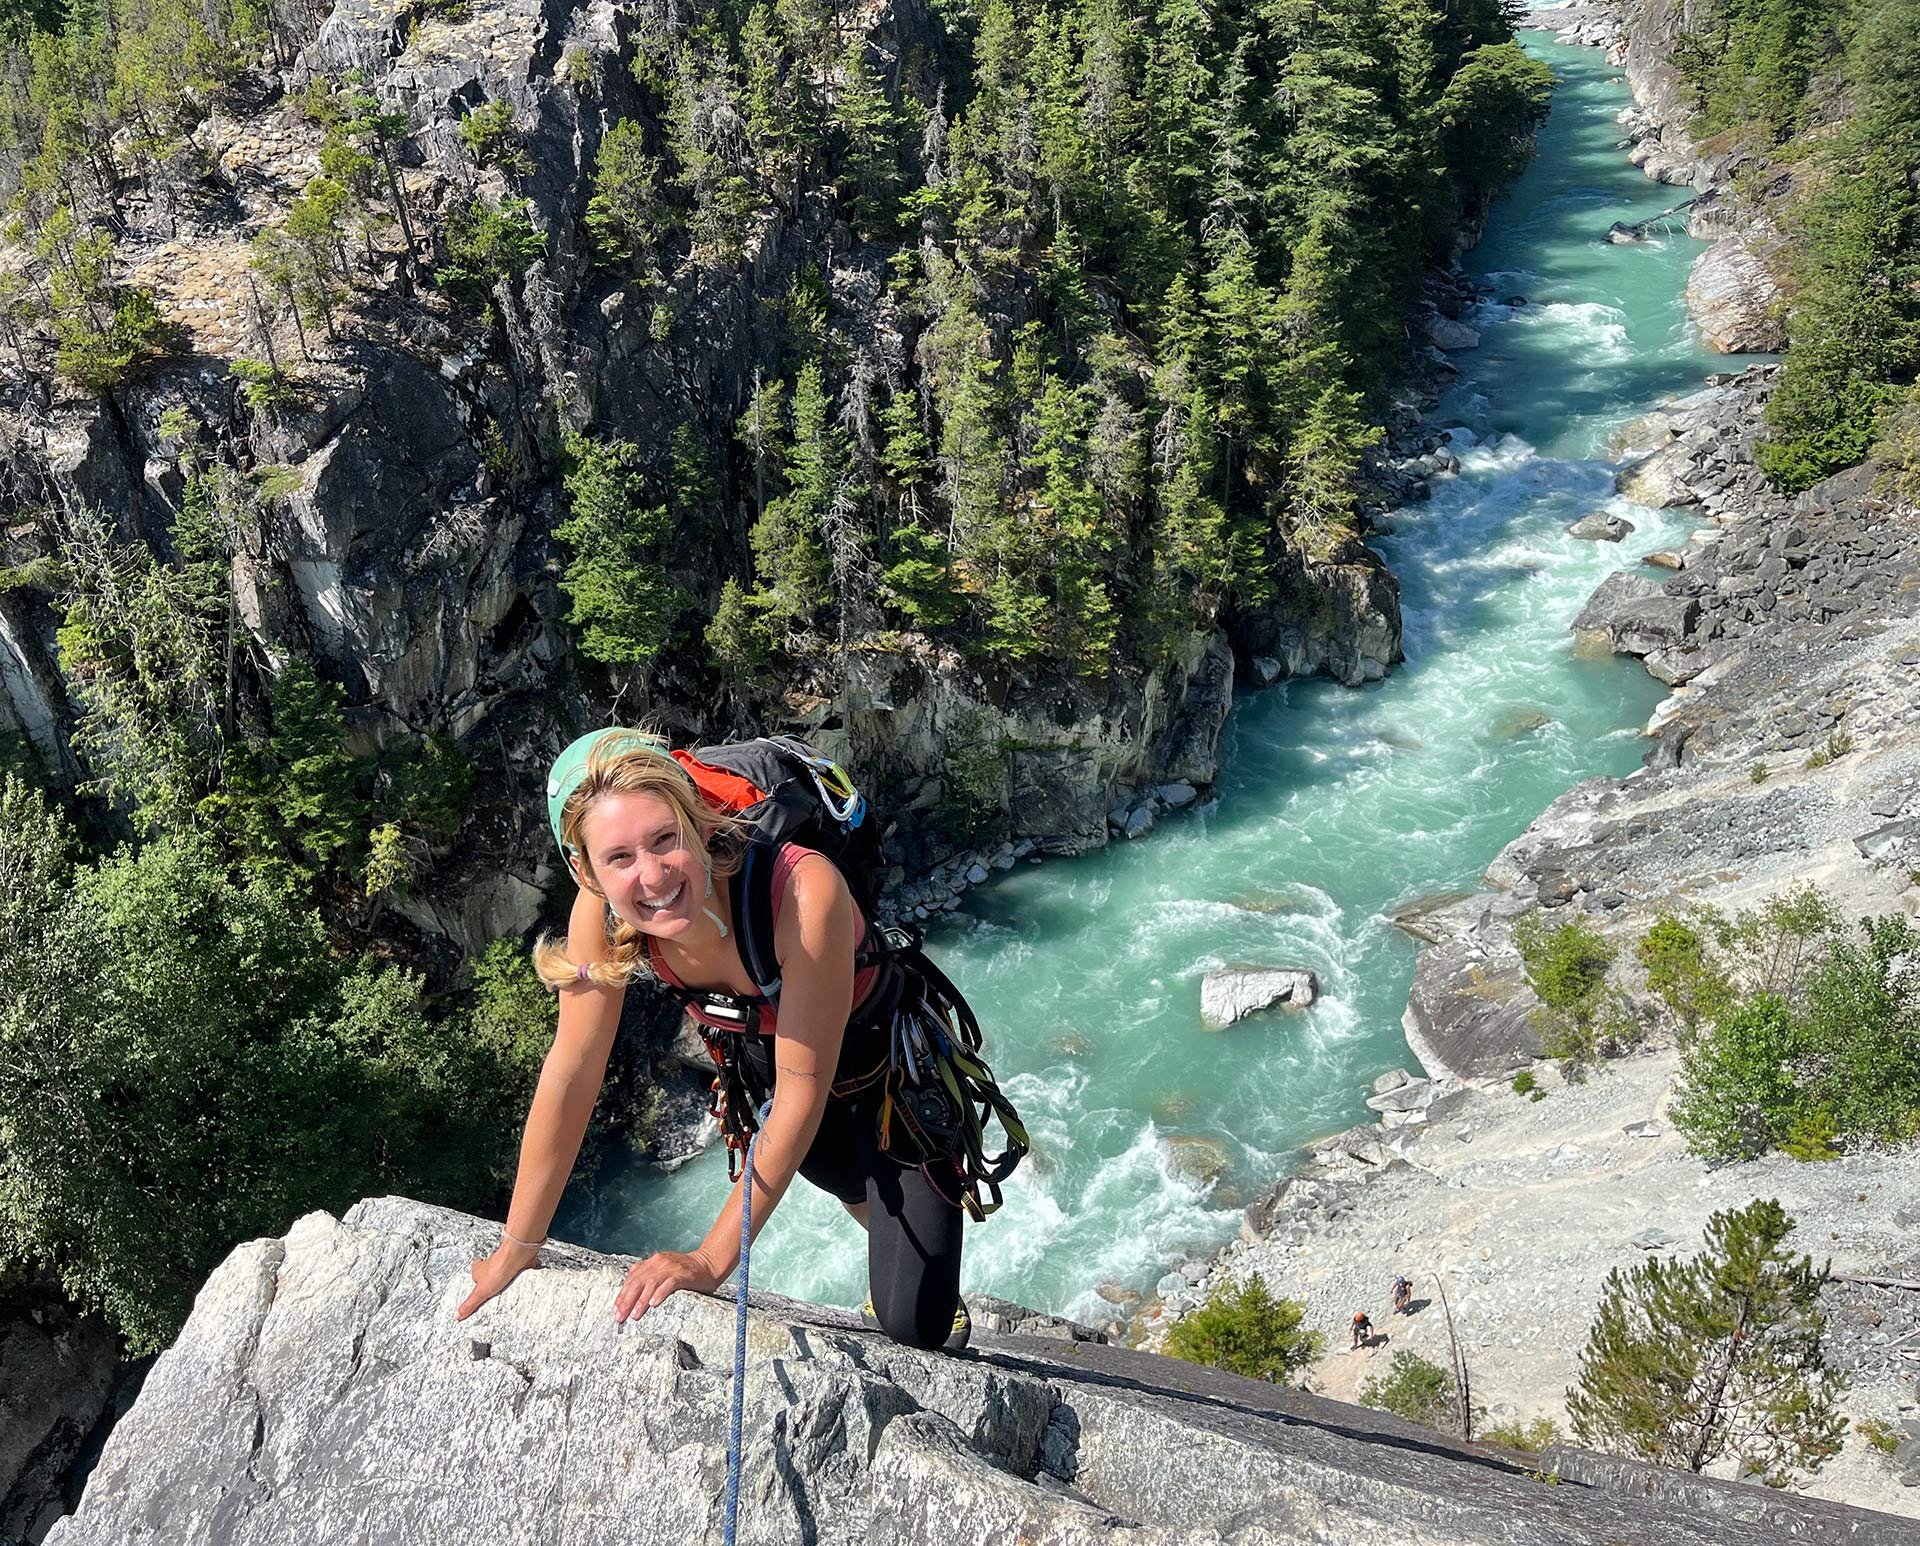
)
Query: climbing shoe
[{"x": 957, "y": 1339}]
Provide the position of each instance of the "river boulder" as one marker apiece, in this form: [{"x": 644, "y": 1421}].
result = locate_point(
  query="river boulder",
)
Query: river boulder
[
  {"x": 1195, "y": 1160},
  {"x": 1601, "y": 526},
  {"x": 1617, "y": 593},
  {"x": 1230, "y": 993},
  {"x": 1449, "y": 334},
  {"x": 1734, "y": 299}
]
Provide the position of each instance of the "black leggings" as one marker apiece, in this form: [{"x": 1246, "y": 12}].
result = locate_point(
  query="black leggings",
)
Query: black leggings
[{"x": 913, "y": 1233}]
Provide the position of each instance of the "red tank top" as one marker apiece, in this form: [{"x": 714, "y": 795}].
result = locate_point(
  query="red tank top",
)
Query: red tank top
[{"x": 788, "y": 856}]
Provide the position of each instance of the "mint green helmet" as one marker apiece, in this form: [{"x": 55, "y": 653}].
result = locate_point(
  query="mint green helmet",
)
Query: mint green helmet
[{"x": 570, "y": 768}]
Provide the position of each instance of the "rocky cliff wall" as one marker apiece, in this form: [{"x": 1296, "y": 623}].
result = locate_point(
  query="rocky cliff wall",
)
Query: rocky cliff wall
[
  {"x": 403, "y": 545},
  {"x": 323, "y": 1391}
]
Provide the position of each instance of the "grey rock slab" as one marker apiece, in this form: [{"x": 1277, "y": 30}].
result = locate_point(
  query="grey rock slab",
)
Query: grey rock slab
[
  {"x": 1469, "y": 1016},
  {"x": 1660, "y": 480},
  {"x": 1734, "y": 299},
  {"x": 1231, "y": 993},
  {"x": 1884, "y": 841},
  {"x": 1414, "y": 1095}
]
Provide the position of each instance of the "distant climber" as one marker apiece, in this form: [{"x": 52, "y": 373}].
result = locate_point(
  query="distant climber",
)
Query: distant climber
[
  {"x": 1362, "y": 1329},
  {"x": 840, "y": 1040},
  {"x": 1402, "y": 1296}
]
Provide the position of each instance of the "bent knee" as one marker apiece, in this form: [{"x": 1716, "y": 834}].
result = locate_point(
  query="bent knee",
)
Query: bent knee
[{"x": 925, "y": 1326}]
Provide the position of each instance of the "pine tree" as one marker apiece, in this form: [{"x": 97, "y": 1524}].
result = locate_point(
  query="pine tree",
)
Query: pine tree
[
  {"x": 918, "y": 580},
  {"x": 626, "y": 215},
  {"x": 622, "y": 599},
  {"x": 1063, "y": 158},
  {"x": 870, "y": 132},
  {"x": 1072, "y": 537},
  {"x": 1323, "y": 458},
  {"x": 1691, "y": 1361},
  {"x": 906, "y": 456},
  {"x": 790, "y": 559}
]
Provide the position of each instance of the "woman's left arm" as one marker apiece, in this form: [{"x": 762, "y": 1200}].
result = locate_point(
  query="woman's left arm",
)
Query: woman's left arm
[{"x": 815, "y": 941}]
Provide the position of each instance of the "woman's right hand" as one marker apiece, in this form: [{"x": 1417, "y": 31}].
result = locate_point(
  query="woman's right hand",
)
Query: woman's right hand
[{"x": 492, "y": 1274}]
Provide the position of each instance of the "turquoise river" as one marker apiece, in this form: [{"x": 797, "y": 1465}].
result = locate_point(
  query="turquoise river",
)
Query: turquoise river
[{"x": 1333, "y": 805}]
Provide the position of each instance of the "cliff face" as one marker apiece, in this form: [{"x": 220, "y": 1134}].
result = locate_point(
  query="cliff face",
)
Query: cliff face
[
  {"x": 403, "y": 537},
  {"x": 323, "y": 1391}
]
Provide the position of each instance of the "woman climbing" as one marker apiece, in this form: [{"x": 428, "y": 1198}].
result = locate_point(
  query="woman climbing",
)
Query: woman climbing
[{"x": 801, "y": 1001}]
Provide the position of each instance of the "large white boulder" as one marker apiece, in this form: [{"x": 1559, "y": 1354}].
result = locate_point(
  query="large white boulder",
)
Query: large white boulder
[{"x": 1230, "y": 993}]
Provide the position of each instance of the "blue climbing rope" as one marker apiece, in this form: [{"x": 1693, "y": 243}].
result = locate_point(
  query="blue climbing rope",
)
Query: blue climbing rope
[{"x": 740, "y": 1335}]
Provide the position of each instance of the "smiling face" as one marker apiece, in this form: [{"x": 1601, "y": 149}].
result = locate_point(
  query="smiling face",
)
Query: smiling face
[{"x": 646, "y": 864}]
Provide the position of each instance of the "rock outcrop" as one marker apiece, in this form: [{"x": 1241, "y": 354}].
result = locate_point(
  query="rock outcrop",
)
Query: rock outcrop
[
  {"x": 1735, "y": 300},
  {"x": 58, "y": 1371},
  {"x": 322, "y": 1391}
]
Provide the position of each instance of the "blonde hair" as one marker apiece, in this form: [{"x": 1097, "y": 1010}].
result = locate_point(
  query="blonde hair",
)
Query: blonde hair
[{"x": 634, "y": 764}]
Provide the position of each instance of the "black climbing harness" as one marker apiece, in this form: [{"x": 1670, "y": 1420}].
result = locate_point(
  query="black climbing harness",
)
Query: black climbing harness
[{"x": 914, "y": 1037}]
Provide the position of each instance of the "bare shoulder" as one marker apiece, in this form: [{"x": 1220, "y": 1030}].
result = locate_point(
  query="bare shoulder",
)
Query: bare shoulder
[
  {"x": 820, "y": 906},
  {"x": 818, "y": 886}
]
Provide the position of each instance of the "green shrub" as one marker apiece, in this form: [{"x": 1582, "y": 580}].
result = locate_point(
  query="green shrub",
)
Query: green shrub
[
  {"x": 1682, "y": 973},
  {"x": 1811, "y": 1138},
  {"x": 1529, "y": 1438},
  {"x": 1242, "y": 1328},
  {"x": 485, "y": 245},
  {"x": 1882, "y": 1435},
  {"x": 1566, "y": 965},
  {"x": 1580, "y": 1017},
  {"x": 491, "y": 139},
  {"x": 1830, "y": 1062},
  {"x": 1524, "y": 1083},
  {"x": 1736, "y": 1093},
  {"x": 1417, "y": 1389},
  {"x": 263, "y": 385},
  {"x": 1758, "y": 773}
]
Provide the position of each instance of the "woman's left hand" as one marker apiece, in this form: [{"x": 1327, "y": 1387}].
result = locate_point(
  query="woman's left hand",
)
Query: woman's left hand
[{"x": 661, "y": 1274}]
